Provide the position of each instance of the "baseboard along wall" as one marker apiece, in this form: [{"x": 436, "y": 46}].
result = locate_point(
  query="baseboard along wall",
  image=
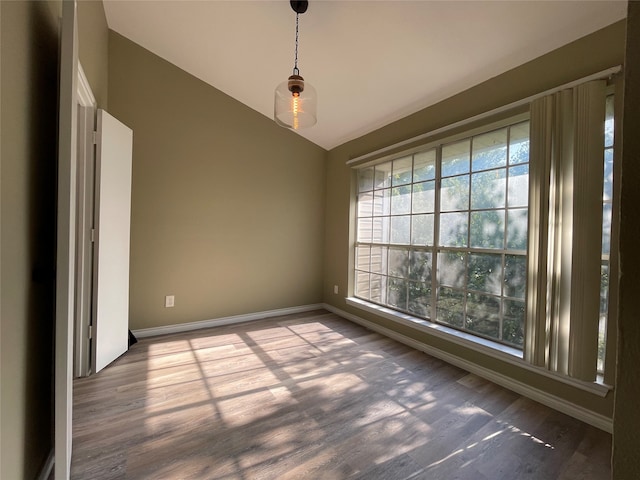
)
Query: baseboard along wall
[{"x": 217, "y": 322}]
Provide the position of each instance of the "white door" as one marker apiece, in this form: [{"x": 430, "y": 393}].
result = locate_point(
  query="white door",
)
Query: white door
[{"x": 112, "y": 232}]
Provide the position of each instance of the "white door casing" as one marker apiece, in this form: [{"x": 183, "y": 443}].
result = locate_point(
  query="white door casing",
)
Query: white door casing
[
  {"x": 65, "y": 249},
  {"x": 84, "y": 224},
  {"x": 66, "y": 241}
]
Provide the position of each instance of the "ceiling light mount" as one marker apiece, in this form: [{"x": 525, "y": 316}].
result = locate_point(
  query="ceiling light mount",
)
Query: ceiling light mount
[
  {"x": 299, "y": 7},
  {"x": 295, "y": 103}
]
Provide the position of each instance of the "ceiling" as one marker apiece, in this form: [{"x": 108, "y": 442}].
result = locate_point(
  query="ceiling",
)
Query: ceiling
[{"x": 371, "y": 62}]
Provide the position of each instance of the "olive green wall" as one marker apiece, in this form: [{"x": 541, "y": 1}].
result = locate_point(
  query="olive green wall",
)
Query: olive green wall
[
  {"x": 29, "y": 110},
  {"x": 28, "y": 133},
  {"x": 93, "y": 48},
  {"x": 626, "y": 423},
  {"x": 227, "y": 207},
  {"x": 590, "y": 54}
]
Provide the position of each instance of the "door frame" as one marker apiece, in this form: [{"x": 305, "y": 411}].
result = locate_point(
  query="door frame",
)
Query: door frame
[
  {"x": 65, "y": 240},
  {"x": 85, "y": 223}
]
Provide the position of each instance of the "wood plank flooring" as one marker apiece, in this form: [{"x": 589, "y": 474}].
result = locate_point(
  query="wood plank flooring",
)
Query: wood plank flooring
[{"x": 313, "y": 396}]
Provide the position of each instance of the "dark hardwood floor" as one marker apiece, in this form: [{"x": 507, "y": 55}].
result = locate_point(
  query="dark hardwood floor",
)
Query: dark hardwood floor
[{"x": 313, "y": 396}]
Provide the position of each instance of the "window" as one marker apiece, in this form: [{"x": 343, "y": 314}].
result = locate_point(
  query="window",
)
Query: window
[
  {"x": 496, "y": 234},
  {"x": 442, "y": 233},
  {"x": 607, "y": 208}
]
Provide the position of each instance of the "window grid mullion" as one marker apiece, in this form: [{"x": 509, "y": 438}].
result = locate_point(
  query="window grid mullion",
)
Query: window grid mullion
[
  {"x": 465, "y": 317},
  {"x": 505, "y": 237},
  {"x": 435, "y": 287},
  {"x": 411, "y": 245}
]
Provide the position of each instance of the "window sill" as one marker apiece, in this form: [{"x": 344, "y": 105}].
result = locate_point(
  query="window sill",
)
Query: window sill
[{"x": 492, "y": 349}]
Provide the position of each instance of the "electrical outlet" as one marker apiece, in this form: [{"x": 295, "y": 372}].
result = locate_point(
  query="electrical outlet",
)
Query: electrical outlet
[
  {"x": 335, "y": 289},
  {"x": 169, "y": 301}
]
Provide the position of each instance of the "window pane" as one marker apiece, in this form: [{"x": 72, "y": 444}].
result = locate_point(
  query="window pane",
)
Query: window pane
[
  {"x": 397, "y": 293},
  {"x": 365, "y": 179},
  {"x": 608, "y": 123},
  {"x": 362, "y": 285},
  {"x": 604, "y": 307},
  {"x": 485, "y": 273},
  {"x": 382, "y": 177},
  {"x": 422, "y": 230},
  {"x": 517, "y": 229},
  {"x": 454, "y": 193},
  {"x": 450, "y": 307},
  {"x": 487, "y": 229},
  {"x": 519, "y": 186},
  {"x": 365, "y": 204},
  {"x": 419, "y": 299},
  {"x": 424, "y": 166},
  {"x": 364, "y": 230},
  {"x": 424, "y": 197},
  {"x": 382, "y": 202},
  {"x": 489, "y": 150},
  {"x": 513, "y": 322},
  {"x": 454, "y": 229},
  {"x": 604, "y": 288},
  {"x": 401, "y": 200},
  {"x": 379, "y": 260},
  {"x": 420, "y": 266},
  {"x": 607, "y": 191},
  {"x": 378, "y": 289},
  {"x": 483, "y": 315},
  {"x": 402, "y": 169},
  {"x": 455, "y": 158},
  {"x": 398, "y": 262},
  {"x": 488, "y": 189},
  {"x": 400, "y": 229},
  {"x": 606, "y": 228},
  {"x": 515, "y": 276},
  {"x": 519, "y": 143},
  {"x": 381, "y": 228},
  {"x": 363, "y": 253},
  {"x": 452, "y": 269}
]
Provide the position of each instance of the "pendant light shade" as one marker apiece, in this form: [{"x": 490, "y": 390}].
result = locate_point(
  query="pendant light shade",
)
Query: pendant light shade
[{"x": 296, "y": 102}]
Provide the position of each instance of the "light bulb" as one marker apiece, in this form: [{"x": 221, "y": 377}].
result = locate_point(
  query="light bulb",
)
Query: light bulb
[
  {"x": 295, "y": 104},
  {"x": 295, "y": 109}
]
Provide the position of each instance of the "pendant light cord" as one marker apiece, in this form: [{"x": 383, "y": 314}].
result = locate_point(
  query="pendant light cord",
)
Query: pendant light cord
[{"x": 296, "y": 71}]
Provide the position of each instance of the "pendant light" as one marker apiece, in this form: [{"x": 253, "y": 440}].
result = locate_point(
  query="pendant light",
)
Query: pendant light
[{"x": 296, "y": 102}]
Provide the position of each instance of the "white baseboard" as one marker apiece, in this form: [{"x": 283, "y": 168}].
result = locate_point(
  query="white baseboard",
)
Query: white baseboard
[
  {"x": 45, "y": 473},
  {"x": 217, "y": 322},
  {"x": 597, "y": 420}
]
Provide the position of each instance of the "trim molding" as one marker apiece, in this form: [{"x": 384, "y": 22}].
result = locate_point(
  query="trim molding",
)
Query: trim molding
[
  {"x": 597, "y": 420},
  {"x": 216, "y": 322},
  {"x": 85, "y": 95},
  {"x": 47, "y": 468}
]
